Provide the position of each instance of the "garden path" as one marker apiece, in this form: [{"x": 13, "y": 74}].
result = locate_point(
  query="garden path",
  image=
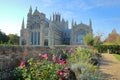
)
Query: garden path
[{"x": 109, "y": 67}]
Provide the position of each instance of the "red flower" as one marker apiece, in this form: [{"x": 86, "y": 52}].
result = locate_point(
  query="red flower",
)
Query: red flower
[
  {"x": 45, "y": 56},
  {"x": 22, "y": 64},
  {"x": 60, "y": 73},
  {"x": 62, "y": 78},
  {"x": 62, "y": 61},
  {"x": 67, "y": 69}
]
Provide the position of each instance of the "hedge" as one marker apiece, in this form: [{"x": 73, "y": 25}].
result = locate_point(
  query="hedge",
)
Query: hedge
[{"x": 104, "y": 48}]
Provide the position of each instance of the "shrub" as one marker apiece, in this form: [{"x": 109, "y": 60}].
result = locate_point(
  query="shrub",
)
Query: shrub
[
  {"x": 79, "y": 62},
  {"x": 46, "y": 68}
]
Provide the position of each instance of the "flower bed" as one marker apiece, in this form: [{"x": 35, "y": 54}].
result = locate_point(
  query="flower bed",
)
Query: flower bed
[{"x": 65, "y": 66}]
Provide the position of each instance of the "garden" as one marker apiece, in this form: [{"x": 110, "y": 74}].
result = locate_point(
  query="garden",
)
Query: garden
[
  {"x": 65, "y": 63},
  {"x": 68, "y": 64}
]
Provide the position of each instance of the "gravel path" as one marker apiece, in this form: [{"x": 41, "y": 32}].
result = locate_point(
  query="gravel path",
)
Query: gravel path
[{"x": 110, "y": 67}]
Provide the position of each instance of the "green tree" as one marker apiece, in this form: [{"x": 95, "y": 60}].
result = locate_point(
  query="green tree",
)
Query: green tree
[
  {"x": 13, "y": 39},
  {"x": 97, "y": 40},
  {"x": 3, "y": 37},
  {"x": 89, "y": 40}
]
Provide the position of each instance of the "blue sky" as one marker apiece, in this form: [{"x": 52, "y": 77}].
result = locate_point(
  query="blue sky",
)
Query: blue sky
[{"x": 105, "y": 14}]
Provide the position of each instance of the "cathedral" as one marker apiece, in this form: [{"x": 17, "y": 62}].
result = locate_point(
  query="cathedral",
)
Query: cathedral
[{"x": 41, "y": 31}]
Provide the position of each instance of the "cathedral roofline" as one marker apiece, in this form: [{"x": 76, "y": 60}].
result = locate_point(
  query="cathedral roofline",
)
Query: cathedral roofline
[{"x": 36, "y": 12}]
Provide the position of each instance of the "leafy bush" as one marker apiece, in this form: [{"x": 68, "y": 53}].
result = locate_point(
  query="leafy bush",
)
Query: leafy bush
[
  {"x": 46, "y": 68},
  {"x": 104, "y": 48},
  {"x": 79, "y": 62},
  {"x": 74, "y": 66}
]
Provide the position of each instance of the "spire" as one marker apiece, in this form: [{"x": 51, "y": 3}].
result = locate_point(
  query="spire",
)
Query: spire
[
  {"x": 36, "y": 9},
  {"x": 30, "y": 10},
  {"x": 73, "y": 23},
  {"x": 90, "y": 23},
  {"x": 23, "y": 26}
]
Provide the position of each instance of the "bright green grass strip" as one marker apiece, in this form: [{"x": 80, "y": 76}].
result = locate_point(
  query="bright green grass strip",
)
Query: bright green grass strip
[{"x": 117, "y": 56}]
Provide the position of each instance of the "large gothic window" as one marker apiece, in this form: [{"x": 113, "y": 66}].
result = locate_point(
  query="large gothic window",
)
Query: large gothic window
[
  {"x": 79, "y": 36},
  {"x": 35, "y": 38}
]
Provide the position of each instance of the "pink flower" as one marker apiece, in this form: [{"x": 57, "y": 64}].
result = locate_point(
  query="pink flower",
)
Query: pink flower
[
  {"x": 66, "y": 74},
  {"x": 62, "y": 61},
  {"x": 22, "y": 64},
  {"x": 45, "y": 56},
  {"x": 60, "y": 73},
  {"x": 40, "y": 55},
  {"x": 54, "y": 58},
  {"x": 67, "y": 69}
]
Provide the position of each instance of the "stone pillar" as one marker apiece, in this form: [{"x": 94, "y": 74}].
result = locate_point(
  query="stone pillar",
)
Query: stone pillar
[
  {"x": 36, "y": 38},
  {"x": 33, "y": 38},
  {"x": 41, "y": 37}
]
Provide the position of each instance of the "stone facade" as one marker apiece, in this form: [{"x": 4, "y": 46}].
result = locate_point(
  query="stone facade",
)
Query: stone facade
[
  {"x": 79, "y": 31},
  {"x": 54, "y": 31}
]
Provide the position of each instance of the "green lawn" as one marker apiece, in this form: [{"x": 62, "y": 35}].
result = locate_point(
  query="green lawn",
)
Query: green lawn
[{"x": 117, "y": 56}]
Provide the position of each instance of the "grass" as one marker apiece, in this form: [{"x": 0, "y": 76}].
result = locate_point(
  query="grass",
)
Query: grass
[{"x": 117, "y": 56}]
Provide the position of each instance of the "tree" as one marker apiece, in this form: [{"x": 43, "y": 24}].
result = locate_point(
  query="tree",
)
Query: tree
[
  {"x": 13, "y": 39},
  {"x": 112, "y": 37},
  {"x": 88, "y": 39},
  {"x": 3, "y": 37},
  {"x": 118, "y": 40},
  {"x": 97, "y": 40}
]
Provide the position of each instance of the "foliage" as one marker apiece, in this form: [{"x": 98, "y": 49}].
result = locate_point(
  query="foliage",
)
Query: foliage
[
  {"x": 74, "y": 66},
  {"x": 112, "y": 37},
  {"x": 117, "y": 56},
  {"x": 118, "y": 40},
  {"x": 3, "y": 38},
  {"x": 13, "y": 39},
  {"x": 88, "y": 39},
  {"x": 46, "y": 68},
  {"x": 10, "y": 39},
  {"x": 104, "y": 48},
  {"x": 79, "y": 62},
  {"x": 97, "y": 40}
]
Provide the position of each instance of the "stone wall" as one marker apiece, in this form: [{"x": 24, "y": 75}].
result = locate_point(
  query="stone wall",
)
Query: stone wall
[{"x": 11, "y": 56}]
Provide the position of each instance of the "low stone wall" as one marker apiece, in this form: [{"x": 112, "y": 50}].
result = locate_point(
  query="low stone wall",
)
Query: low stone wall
[{"x": 11, "y": 56}]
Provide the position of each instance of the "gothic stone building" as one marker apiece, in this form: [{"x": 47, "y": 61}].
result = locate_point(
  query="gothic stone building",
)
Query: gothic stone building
[{"x": 44, "y": 32}]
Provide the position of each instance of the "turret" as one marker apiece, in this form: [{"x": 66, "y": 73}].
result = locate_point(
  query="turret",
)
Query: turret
[
  {"x": 30, "y": 11},
  {"x": 73, "y": 23},
  {"x": 56, "y": 17},
  {"x": 90, "y": 23},
  {"x": 29, "y": 16},
  {"x": 23, "y": 25},
  {"x": 50, "y": 18}
]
